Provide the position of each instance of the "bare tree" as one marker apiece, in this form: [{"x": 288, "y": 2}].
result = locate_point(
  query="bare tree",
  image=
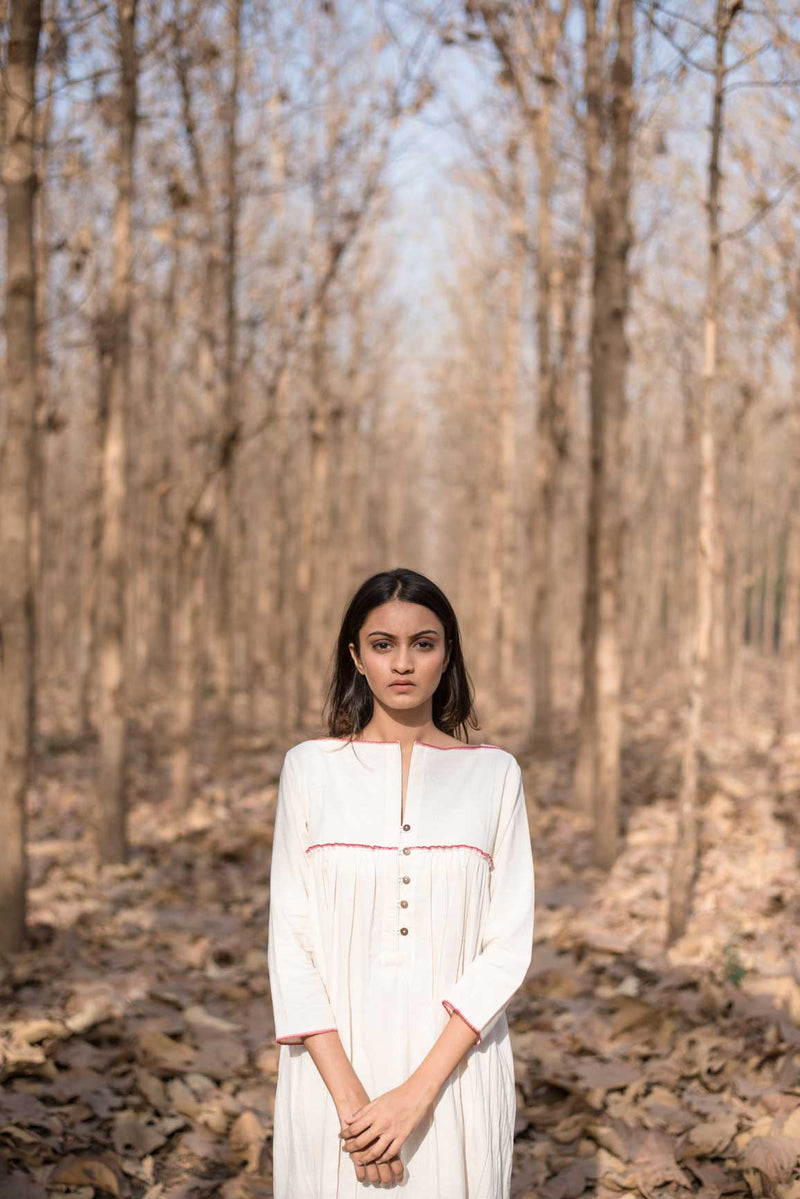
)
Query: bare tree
[
  {"x": 114, "y": 337},
  {"x": 609, "y": 202},
  {"x": 224, "y": 531},
  {"x": 525, "y": 70},
  {"x": 17, "y": 452},
  {"x": 684, "y": 860},
  {"x": 790, "y": 611}
]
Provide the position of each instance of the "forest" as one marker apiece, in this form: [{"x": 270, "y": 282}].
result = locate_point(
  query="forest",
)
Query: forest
[{"x": 503, "y": 291}]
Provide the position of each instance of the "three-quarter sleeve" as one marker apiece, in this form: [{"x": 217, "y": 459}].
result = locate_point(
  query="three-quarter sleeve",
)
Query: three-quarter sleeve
[
  {"x": 300, "y": 1002},
  {"x": 488, "y": 982}
]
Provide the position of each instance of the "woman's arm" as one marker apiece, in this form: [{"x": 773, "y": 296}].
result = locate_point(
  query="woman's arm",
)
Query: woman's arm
[
  {"x": 375, "y": 1131},
  {"x": 328, "y": 1055},
  {"x": 347, "y": 1092},
  {"x": 300, "y": 1001},
  {"x": 481, "y": 994},
  {"x": 452, "y": 1044}
]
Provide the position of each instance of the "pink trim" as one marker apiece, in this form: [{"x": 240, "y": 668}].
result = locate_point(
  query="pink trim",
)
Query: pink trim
[
  {"x": 482, "y": 852},
  {"x": 349, "y": 844},
  {"x": 480, "y": 745},
  {"x": 359, "y": 845},
  {"x": 450, "y": 1009},
  {"x": 430, "y": 745},
  {"x": 297, "y": 1038}
]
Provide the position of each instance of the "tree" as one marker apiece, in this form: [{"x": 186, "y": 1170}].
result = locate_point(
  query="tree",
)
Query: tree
[
  {"x": 17, "y": 453},
  {"x": 114, "y": 344},
  {"x": 608, "y": 201},
  {"x": 684, "y": 859}
]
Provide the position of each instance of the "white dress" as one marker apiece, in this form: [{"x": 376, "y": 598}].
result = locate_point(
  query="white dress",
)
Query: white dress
[{"x": 380, "y": 931}]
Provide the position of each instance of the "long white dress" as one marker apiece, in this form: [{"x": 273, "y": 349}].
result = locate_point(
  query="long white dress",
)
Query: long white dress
[{"x": 381, "y": 931}]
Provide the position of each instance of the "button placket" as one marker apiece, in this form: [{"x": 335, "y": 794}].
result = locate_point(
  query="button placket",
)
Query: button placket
[{"x": 405, "y": 827}]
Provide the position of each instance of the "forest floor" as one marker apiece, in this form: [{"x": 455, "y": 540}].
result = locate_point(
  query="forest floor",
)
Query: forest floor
[{"x": 136, "y": 1051}]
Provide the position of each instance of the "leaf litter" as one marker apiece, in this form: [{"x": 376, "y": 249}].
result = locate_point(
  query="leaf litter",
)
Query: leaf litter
[{"x": 136, "y": 1047}]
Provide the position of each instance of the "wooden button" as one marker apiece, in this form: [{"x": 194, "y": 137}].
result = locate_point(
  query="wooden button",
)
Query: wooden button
[
  {"x": 406, "y": 879},
  {"x": 403, "y": 903},
  {"x": 406, "y": 850},
  {"x": 404, "y": 931},
  {"x": 406, "y": 828}
]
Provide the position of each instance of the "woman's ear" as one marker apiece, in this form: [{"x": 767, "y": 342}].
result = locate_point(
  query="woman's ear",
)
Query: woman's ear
[{"x": 354, "y": 656}]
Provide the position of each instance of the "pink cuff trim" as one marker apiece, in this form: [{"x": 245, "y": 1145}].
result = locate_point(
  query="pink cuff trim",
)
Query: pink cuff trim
[
  {"x": 450, "y": 1009},
  {"x": 360, "y": 845},
  {"x": 297, "y": 1038}
]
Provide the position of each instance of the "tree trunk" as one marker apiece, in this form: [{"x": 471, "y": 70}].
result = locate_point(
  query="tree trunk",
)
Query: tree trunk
[
  {"x": 197, "y": 520},
  {"x": 111, "y": 812},
  {"x": 585, "y": 765},
  {"x": 231, "y": 410},
  {"x": 314, "y": 524},
  {"x": 598, "y": 767},
  {"x": 502, "y": 572},
  {"x": 684, "y": 860},
  {"x": 44, "y": 120},
  {"x": 17, "y": 453},
  {"x": 549, "y": 422},
  {"x": 790, "y": 608},
  {"x": 609, "y": 342}
]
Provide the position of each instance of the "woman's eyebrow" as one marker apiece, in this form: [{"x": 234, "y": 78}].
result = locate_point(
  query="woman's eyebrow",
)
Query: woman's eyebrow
[{"x": 379, "y": 633}]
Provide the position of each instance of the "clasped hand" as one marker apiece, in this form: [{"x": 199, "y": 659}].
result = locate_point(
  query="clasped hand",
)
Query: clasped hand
[{"x": 376, "y": 1131}]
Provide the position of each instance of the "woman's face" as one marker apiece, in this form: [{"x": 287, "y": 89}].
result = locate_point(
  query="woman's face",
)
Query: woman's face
[{"x": 401, "y": 642}]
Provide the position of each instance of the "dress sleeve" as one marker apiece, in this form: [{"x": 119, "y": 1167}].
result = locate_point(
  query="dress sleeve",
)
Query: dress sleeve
[
  {"x": 481, "y": 993},
  {"x": 299, "y": 1000}
]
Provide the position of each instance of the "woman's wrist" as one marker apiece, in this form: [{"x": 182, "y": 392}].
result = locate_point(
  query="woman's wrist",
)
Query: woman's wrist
[
  {"x": 425, "y": 1083},
  {"x": 349, "y": 1095},
  {"x": 453, "y": 1044},
  {"x": 333, "y": 1064}
]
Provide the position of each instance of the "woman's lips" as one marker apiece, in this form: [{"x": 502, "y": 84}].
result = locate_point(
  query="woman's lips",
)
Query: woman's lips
[{"x": 401, "y": 684}]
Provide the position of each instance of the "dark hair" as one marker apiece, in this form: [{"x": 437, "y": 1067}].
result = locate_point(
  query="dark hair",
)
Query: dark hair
[{"x": 349, "y": 701}]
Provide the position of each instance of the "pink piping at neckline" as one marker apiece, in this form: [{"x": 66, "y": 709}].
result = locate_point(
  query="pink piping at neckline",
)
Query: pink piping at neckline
[{"x": 429, "y": 744}]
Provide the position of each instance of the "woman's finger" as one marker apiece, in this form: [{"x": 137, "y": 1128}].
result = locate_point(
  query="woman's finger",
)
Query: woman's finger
[
  {"x": 391, "y": 1151},
  {"x": 361, "y": 1142},
  {"x": 385, "y": 1175},
  {"x": 376, "y": 1149},
  {"x": 354, "y": 1127}
]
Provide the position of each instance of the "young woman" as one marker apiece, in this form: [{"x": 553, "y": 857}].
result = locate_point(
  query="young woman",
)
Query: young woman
[{"x": 401, "y": 920}]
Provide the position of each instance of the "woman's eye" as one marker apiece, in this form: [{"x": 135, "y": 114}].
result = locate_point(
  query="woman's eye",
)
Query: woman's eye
[{"x": 379, "y": 644}]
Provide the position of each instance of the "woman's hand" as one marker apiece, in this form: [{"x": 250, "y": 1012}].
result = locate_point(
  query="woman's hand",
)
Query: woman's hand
[
  {"x": 377, "y": 1130},
  {"x": 387, "y": 1173}
]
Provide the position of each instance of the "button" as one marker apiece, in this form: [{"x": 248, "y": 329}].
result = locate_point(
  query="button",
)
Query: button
[
  {"x": 406, "y": 850},
  {"x": 403, "y": 903},
  {"x": 404, "y": 931},
  {"x": 406, "y": 879},
  {"x": 406, "y": 827}
]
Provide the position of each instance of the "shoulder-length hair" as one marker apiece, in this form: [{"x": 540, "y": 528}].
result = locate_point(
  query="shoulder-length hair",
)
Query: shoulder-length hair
[{"x": 349, "y": 702}]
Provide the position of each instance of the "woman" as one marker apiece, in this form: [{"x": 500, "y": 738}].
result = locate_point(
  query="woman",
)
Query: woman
[{"x": 401, "y": 920}]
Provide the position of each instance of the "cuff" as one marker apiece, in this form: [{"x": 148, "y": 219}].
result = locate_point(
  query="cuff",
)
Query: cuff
[
  {"x": 296, "y": 1038},
  {"x": 450, "y": 1009}
]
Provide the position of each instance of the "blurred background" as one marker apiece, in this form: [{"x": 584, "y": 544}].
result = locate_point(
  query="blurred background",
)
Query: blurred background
[{"x": 504, "y": 291}]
